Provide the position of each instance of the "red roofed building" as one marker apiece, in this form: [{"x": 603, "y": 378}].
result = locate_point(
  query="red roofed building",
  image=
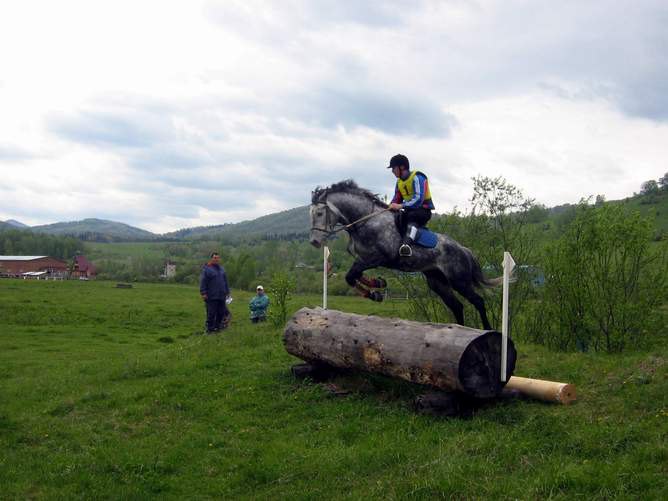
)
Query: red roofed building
[
  {"x": 16, "y": 266},
  {"x": 82, "y": 268}
]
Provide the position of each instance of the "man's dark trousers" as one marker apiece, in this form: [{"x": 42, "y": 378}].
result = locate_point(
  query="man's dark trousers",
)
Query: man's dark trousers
[
  {"x": 216, "y": 311},
  {"x": 417, "y": 217}
]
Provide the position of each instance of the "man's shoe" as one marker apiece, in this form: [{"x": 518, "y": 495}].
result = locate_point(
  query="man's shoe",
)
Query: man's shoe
[{"x": 405, "y": 250}]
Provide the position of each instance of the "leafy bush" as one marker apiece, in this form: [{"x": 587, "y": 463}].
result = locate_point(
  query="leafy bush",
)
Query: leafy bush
[
  {"x": 604, "y": 283},
  {"x": 282, "y": 285}
]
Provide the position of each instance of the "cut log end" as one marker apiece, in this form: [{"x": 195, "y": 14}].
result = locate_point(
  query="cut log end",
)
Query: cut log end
[{"x": 480, "y": 365}]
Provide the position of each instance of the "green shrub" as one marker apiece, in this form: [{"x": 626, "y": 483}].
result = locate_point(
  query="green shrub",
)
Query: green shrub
[
  {"x": 604, "y": 284},
  {"x": 282, "y": 285}
]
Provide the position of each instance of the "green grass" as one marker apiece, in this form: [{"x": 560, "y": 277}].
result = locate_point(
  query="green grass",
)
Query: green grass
[
  {"x": 110, "y": 393},
  {"x": 123, "y": 250}
]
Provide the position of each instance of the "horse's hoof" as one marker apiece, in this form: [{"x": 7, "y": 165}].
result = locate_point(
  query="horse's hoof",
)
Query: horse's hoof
[
  {"x": 376, "y": 296},
  {"x": 381, "y": 283}
]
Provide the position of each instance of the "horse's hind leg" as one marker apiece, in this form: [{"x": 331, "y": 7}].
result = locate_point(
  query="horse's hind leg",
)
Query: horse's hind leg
[
  {"x": 373, "y": 283},
  {"x": 438, "y": 283},
  {"x": 476, "y": 300}
]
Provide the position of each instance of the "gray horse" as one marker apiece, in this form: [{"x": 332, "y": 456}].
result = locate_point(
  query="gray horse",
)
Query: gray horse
[{"x": 375, "y": 240}]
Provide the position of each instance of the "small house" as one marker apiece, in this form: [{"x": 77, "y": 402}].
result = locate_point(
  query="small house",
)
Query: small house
[
  {"x": 169, "y": 271},
  {"x": 82, "y": 268}
]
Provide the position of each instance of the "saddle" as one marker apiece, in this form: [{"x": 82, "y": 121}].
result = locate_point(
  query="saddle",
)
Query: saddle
[{"x": 425, "y": 237}]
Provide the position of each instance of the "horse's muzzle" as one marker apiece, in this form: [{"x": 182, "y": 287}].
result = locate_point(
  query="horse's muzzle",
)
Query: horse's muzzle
[{"x": 315, "y": 243}]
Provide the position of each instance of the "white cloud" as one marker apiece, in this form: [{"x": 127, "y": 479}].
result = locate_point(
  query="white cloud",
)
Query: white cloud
[{"x": 172, "y": 114}]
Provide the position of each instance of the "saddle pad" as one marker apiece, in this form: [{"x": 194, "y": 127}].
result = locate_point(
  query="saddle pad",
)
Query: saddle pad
[{"x": 426, "y": 238}]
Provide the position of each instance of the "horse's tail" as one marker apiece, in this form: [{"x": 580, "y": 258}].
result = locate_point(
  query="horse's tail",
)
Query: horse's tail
[{"x": 480, "y": 280}]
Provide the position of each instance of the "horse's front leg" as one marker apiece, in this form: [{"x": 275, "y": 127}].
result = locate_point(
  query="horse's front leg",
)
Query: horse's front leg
[{"x": 356, "y": 279}]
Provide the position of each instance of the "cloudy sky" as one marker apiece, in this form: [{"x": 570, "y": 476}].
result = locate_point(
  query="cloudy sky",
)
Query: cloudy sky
[{"x": 171, "y": 114}]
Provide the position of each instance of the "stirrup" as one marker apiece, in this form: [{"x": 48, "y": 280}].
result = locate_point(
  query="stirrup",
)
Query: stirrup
[{"x": 405, "y": 250}]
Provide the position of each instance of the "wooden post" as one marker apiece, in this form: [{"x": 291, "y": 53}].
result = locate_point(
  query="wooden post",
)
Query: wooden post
[
  {"x": 325, "y": 259},
  {"x": 508, "y": 266},
  {"x": 445, "y": 356},
  {"x": 548, "y": 391}
]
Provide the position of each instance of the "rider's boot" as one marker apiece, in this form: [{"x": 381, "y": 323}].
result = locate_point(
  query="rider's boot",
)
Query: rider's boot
[{"x": 405, "y": 249}]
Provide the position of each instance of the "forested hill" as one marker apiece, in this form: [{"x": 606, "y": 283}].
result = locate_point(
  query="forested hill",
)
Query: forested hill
[
  {"x": 294, "y": 223},
  {"x": 97, "y": 230},
  {"x": 285, "y": 224}
]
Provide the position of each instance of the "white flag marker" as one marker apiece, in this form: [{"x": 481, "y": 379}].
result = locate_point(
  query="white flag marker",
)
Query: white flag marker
[
  {"x": 325, "y": 260},
  {"x": 508, "y": 266}
]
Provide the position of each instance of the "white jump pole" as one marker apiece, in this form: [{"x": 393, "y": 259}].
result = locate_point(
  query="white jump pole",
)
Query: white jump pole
[
  {"x": 325, "y": 258},
  {"x": 508, "y": 266}
]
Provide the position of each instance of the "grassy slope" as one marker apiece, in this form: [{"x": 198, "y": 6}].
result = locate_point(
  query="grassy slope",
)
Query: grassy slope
[
  {"x": 655, "y": 206},
  {"x": 107, "y": 392}
]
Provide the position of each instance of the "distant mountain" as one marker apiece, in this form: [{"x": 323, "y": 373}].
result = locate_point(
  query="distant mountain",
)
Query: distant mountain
[
  {"x": 289, "y": 223},
  {"x": 16, "y": 224},
  {"x": 97, "y": 230}
]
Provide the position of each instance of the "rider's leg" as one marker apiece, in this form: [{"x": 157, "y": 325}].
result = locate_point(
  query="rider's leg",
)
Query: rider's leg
[{"x": 412, "y": 220}]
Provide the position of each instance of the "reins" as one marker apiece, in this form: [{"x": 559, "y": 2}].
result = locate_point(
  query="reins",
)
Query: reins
[
  {"x": 349, "y": 225},
  {"x": 368, "y": 216}
]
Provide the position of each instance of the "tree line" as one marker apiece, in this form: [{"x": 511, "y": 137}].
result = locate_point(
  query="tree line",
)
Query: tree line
[{"x": 27, "y": 243}]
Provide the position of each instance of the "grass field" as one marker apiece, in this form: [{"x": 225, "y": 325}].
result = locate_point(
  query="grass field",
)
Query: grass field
[{"x": 112, "y": 393}]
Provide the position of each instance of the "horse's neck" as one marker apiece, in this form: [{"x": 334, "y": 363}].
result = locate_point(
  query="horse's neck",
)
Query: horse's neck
[{"x": 352, "y": 208}]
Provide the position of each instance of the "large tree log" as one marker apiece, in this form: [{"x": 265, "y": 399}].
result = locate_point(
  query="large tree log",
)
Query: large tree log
[{"x": 445, "y": 356}]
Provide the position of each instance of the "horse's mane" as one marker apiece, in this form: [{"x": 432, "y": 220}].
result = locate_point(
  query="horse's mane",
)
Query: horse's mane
[{"x": 346, "y": 186}]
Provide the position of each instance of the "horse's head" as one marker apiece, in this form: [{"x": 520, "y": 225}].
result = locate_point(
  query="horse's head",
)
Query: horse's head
[
  {"x": 322, "y": 218},
  {"x": 342, "y": 203}
]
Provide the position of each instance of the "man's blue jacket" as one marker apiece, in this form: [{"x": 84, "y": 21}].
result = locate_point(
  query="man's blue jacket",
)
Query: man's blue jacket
[{"x": 213, "y": 282}]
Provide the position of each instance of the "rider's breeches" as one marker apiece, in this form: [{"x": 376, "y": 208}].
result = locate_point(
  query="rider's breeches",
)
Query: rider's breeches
[{"x": 412, "y": 219}]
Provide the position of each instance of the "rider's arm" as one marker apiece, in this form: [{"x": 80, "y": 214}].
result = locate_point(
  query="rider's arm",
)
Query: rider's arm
[
  {"x": 418, "y": 193},
  {"x": 397, "y": 196}
]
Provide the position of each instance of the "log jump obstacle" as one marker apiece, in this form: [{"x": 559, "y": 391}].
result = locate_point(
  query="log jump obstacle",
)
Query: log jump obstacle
[{"x": 448, "y": 357}]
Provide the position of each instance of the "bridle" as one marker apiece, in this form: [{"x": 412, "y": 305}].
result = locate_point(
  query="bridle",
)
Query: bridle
[
  {"x": 332, "y": 217},
  {"x": 335, "y": 215}
]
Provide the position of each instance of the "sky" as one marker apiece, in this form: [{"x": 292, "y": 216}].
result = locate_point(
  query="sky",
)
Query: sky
[{"x": 172, "y": 114}]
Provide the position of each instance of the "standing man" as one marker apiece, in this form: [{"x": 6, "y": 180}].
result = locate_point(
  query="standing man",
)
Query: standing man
[
  {"x": 214, "y": 291},
  {"x": 411, "y": 195},
  {"x": 258, "y": 306}
]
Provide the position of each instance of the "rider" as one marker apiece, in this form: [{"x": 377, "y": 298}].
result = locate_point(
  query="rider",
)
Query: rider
[{"x": 412, "y": 195}]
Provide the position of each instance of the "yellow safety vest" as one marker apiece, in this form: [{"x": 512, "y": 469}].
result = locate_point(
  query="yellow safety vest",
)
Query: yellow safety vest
[{"x": 406, "y": 188}]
